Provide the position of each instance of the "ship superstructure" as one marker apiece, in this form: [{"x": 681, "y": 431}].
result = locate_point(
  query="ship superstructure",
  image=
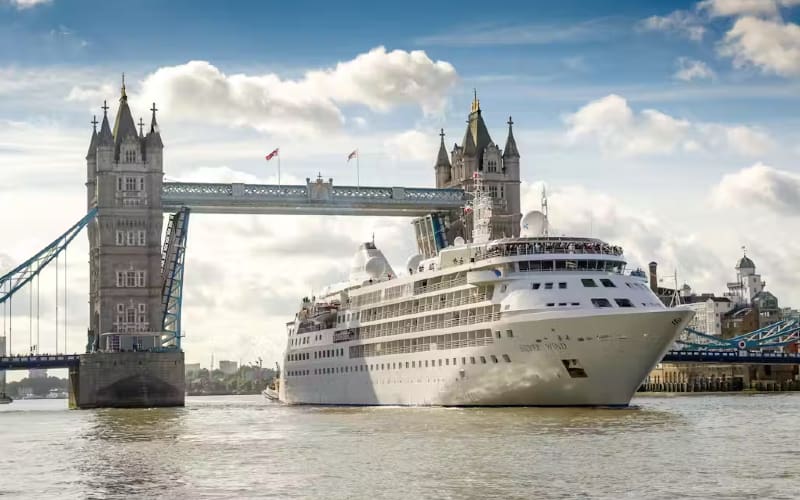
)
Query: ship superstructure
[{"x": 530, "y": 320}]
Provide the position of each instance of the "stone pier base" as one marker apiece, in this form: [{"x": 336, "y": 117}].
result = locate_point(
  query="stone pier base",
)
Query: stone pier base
[{"x": 127, "y": 380}]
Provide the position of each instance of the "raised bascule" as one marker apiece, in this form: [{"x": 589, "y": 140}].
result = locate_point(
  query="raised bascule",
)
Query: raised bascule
[{"x": 133, "y": 355}]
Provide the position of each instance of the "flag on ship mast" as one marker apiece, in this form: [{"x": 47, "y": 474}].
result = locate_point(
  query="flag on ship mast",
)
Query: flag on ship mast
[
  {"x": 352, "y": 155},
  {"x": 274, "y": 153}
]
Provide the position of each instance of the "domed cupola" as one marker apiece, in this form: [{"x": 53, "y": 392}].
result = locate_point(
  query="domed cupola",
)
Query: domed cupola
[{"x": 745, "y": 263}]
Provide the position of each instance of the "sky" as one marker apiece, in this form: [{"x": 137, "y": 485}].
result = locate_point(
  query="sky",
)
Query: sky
[{"x": 670, "y": 128}]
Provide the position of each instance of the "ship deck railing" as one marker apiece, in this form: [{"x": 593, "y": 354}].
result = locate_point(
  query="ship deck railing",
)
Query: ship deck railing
[
  {"x": 427, "y": 307},
  {"x": 516, "y": 249},
  {"x": 440, "y": 286},
  {"x": 426, "y": 326}
]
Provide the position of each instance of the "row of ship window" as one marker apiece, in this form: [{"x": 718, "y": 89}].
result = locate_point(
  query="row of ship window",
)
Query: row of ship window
[
  {"x": 586, "y": 282},
  {"x": 570, "y": 265},
  {"x": 433, "y": 363},
  {"x": 601, "y": 302},
  {"x": 323, "y": 354},
  {"x": 303, "y": 340},
  {"x": 457, "y": 340}
]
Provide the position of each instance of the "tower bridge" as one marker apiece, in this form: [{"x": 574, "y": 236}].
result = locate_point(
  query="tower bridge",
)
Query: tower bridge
[{"x": 133, "y": 352}]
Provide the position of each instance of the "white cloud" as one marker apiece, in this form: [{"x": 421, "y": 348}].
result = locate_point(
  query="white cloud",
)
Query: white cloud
[
  {"x": 378, "y": 79},
  {"x": 28, "y": 4},
  {"x": 681, "y": 22},
  {"x": 727, "y": 8},
  {"x": 771, "y": 45},
  {"x": 412, "y": 145},
  {"x": 776, "y": 190},
  {"x": 690, "y": 69},
  {"x": 524, "y": 34},
  {"x": 620, "y": 131},
  {"x": 93, "y": 94}
]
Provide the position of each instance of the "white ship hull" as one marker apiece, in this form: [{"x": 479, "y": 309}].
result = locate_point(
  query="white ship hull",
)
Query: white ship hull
[{"x": 609, "y": 353}]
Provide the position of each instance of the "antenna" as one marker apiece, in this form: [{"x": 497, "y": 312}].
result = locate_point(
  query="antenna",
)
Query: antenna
[
  {"x": 546, "y": 228},
  {"x": 676, "y": 296}
]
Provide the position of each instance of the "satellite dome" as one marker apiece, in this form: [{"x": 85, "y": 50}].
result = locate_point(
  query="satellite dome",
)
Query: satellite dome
[
  {"x": 413, "y": 262},
  {"x": 533, "y": 224},
  {"x": 369, "y": 263},
  {"x": 375, "y": 267},
  {"x": 459, "y": 241}
]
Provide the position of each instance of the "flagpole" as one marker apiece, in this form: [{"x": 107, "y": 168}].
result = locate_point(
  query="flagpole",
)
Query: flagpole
[
  {"x": 279, "y": 168},
  {"x": 358, "y": 170}
]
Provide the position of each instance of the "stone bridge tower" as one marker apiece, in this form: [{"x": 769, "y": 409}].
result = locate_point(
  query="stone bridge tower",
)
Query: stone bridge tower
[
  {"x": 124, "y": 176},
  {"x": 499, "y": 168},
  {"x": 124, "y": 365}
]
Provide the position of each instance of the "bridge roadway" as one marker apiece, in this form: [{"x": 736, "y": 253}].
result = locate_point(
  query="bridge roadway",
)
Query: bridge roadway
[
  {"x": 27, "y": 362},
  {"x": 317, "y": 197},
  {"x": 733, "y": 357}
]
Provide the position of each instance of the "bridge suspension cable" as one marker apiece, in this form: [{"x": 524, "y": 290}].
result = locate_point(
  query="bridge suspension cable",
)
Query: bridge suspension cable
[{"x": 24, "y": 274}]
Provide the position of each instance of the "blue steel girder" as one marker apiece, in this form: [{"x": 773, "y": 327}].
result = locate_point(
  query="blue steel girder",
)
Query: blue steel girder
[
  {"x": 172, "y": 267},
  {"x": 315, "y": 198},
  {"x": 25, "y": 272},
  {"x": 773, "y": 336}
]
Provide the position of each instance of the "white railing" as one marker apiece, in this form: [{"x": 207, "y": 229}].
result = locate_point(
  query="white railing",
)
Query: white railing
[
  {"x": 388, "y": 314},
  {"x": 440, "y": 286},
  {"x": 423, "y": 325},
  {"x": 555, "y": 248}
]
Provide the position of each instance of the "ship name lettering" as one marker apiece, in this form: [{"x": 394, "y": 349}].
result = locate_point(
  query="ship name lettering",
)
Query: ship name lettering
[{"x": 530, "y": 347}]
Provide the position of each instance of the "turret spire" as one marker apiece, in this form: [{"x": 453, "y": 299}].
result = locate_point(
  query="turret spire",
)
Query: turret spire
[
  {"x": 476, "y": 104},
  {"x": 154, "y": 136},
  {"x": 510, "y": 151},
  {"x": 124, "y": 126},
  {"x": 442, "y": 159},
  {"x": 141, "y": 127},
  {"x": 153, "y": 123},
  {"x": 105, "y": 137},
  {"x": 93, "y": 141}
]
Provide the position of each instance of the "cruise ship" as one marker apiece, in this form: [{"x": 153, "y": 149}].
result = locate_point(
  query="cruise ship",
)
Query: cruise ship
[{"x": 534, "y": 320}]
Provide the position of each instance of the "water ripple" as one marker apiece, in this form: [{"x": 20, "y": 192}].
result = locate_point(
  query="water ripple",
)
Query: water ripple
[{"x": 734, "y": 446}]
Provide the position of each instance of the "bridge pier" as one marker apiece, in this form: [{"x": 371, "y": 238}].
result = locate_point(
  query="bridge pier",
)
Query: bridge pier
[{"x": 127, "y": 380}]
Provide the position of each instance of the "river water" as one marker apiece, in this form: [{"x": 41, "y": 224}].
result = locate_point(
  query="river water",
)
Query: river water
[{"x": 727, "y": 446}]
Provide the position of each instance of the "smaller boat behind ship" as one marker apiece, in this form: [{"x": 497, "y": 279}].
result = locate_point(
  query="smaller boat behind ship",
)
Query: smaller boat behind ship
[{"x": 271, "y": 391}]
